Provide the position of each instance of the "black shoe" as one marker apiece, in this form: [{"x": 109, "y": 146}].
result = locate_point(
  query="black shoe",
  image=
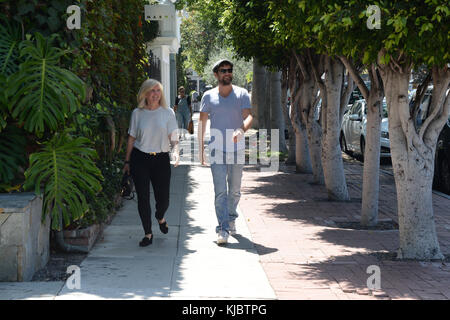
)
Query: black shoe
[
  {"x": 164, "y": 227},
  {"x": 146, "y": 241}
]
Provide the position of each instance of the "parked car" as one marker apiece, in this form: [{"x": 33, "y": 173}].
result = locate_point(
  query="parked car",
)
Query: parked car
[
  {"x": 353, "y": 130},
  {"x": 442, "y": 161}
]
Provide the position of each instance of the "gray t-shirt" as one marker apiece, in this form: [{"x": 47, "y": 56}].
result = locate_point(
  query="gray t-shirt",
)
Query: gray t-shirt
[
  {"x": 152, "y": 128},
  {"x": 226, "y": 116}
]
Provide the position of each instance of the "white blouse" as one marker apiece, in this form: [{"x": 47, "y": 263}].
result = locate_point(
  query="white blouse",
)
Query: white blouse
[{"x": 152, "y": 128}]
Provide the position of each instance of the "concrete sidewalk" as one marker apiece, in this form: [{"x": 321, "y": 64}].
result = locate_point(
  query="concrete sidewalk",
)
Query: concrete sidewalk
[
  {"x": 292, "y": 243},
  {"x": 186, "y": 263}
]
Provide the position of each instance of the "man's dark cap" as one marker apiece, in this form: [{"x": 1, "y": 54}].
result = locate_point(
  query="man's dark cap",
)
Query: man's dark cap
[{"x": 221, "y": 62}]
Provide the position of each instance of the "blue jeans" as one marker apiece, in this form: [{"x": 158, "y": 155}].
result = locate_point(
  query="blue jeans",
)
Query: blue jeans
[
  {"x": 183, "y": 117},
  {"x": 227, "y": 187}
]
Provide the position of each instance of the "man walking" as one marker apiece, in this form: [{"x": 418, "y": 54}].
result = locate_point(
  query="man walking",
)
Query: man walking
[{"x": 230, "y": 110}]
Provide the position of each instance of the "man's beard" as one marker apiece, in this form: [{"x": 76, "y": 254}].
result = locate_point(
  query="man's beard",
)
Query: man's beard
[{"x": 226, "y": 81}]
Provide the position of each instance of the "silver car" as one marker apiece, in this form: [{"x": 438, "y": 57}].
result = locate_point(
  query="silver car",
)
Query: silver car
[{"x": 353, "y": 130}]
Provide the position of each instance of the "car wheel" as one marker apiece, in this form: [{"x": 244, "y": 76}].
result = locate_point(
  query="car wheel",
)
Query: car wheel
[
  {"x": 445, "y": 175},
  {"x": 343, "y": 143}
]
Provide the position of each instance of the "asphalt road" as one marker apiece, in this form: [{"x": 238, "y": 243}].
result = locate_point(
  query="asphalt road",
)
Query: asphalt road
[{"x": 385, "y": 165}]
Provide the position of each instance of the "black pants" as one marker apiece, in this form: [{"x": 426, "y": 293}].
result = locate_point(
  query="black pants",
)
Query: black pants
[{"x": 146, "y": 168}]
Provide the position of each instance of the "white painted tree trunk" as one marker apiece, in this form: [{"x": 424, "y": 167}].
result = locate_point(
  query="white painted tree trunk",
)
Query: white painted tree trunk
[
  {"x": 333, "y": 166},
  {"x": 287, "y": 120},
  {"x": 302, "y": 159},
  {"x": 275, "y": 107},
  {"x": 313, "y": 130},
  {"x": 413, "y": 161},
  {"x": 371, "y": 171}
]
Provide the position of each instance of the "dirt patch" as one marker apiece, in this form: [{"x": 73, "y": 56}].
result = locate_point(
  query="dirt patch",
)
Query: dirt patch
[{"x": 56, "y": 268}]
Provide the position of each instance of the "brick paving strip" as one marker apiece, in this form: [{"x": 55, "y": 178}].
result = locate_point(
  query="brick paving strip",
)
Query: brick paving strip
[{"x": 307, "y": 256}]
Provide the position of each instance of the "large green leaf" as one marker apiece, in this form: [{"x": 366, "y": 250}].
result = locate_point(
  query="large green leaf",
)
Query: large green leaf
[
  {"x": 43, "y": 94},
  {"x": 12, "y": 152},
  {"x": 9, "y": 47},
  {"x": 3, "y": 102},
  {"x": 65, "y": 173}
]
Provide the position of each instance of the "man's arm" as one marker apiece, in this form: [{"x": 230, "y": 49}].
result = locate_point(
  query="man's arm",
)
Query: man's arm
[
  {"x": 201, "y": 136},
  {"x": 248, "y": 119},
  {"x": 246, "y": 124}
]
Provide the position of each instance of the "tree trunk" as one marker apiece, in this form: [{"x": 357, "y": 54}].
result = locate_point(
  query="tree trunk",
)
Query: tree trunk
[
  {"x": 332, "y": 162},
  {"x": 287, "y": 120},
  {"x": 302, "y": 159},
  {"x": 371, "y": 170},
  {"x": 276, "y": 109},
  {"x": 258, "y": 96},
  {"x": 267, "y": 104},
  {"x": 308, "y": 104},
  {"x": 413, "y": 164}
]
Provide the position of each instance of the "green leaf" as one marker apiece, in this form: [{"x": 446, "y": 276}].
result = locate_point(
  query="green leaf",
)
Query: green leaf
[
  {"x": 9, "y": 47},
  {"x": 12, "y": 152},
  {"x": 43, "y": 94},
  {"x": 65, "y": 173}
]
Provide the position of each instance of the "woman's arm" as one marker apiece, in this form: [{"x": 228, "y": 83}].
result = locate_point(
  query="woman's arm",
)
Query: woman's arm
[
  {"x": 130, "y": 145},
  {"x": 175, "y": 150}
]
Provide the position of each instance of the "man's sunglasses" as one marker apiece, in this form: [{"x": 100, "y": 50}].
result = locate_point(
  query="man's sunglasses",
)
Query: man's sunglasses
[{"x": 226, "y": 70}]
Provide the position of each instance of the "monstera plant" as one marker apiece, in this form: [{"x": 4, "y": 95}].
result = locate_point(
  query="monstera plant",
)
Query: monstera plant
[
  {"x": 43, "y": 94},
  {"x": 12, "y": 154},
  {"x": 37, "y": 97},
  {"x": 64, "y": 172},
  {"x": 10, "y": 38}
]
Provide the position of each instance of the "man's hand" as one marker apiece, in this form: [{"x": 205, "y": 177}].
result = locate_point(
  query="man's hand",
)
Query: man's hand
[
  {"x": 175, "y": 107},
  {"x": 238, "y": 134}
]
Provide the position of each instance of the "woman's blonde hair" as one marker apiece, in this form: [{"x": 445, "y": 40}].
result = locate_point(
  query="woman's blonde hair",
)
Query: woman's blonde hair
[{"x": 148, "y": 85}]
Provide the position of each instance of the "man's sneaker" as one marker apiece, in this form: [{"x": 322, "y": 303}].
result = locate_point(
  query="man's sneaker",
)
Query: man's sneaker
[
  {"x": 232, "y": 227},
  {"x": 222, "y": 237}
]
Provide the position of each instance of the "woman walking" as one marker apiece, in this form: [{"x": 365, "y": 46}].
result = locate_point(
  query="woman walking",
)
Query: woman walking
[
  {"x": 183, "y": 109},
  {"x": 153, "y": 129}
]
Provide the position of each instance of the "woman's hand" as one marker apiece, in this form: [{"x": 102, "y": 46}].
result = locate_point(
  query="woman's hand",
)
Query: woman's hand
[
  {"x": 126, "y": 168},
  {"x": 175, "y": 154},
  {"x": 176, "y": 157}
]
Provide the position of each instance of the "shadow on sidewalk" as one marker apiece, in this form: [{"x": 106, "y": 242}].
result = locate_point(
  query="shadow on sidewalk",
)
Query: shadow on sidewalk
[
  {"x": 314, "y": 252},
  {"x": 246, "y": 244}
]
